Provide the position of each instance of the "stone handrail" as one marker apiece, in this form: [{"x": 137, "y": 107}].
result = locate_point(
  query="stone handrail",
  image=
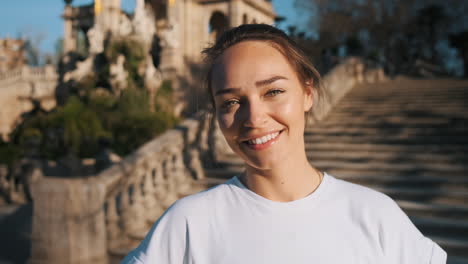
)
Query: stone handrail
[
  {"x": 339, "y": 81},
  {"x": 80, "y": 220},
  {"x": 27, "y": 73}
]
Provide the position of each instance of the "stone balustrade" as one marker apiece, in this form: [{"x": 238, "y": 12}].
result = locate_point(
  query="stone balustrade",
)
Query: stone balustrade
[
  {"x": 28, "y": 74},
  {"x": 19, "y": 87},
  {"x": 340, "y": 80},
  {"x": 81, "y": 220}
]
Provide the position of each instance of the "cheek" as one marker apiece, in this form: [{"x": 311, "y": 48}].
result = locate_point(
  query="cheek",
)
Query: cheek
[
  {"x": 290, "y": 109},
  {"x": 226, "y": 123}
]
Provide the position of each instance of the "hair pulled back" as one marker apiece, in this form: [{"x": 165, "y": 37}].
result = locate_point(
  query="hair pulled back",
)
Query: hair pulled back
[{"x": 306, "y": 72}]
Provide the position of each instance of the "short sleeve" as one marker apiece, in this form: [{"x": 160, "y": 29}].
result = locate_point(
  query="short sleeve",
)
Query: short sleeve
[
  {"x": 402, "y": 242},
  {"x": 164, "y": 243}
]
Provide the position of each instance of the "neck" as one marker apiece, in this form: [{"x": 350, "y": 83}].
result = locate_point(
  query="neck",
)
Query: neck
[{"x": 286, "y": 182}]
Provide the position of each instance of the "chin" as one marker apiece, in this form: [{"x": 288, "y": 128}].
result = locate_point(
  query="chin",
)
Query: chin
[{"x": 261, "y": 162}]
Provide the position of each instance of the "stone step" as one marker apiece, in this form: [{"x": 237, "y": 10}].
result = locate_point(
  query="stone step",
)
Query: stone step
[
  {"x": 382, "y": 108},
  {"x": 456, "y": 260},
  {"x": 397, "y": 166},
  {"x": 461, "y": 139},
  {"x": 455, "y": 247},
  {"x": 342, "y": 172},
  {"x": 426, "y": 194},
  {"x": 399, "y": 98},
  {"x": 455, "y": 184},
  {"x": 209, "y": 182},
  {"x": 374, "y": 131},
  {"x": 418, "y": 193},
  {"x": 390, "y": 122},
  {"x": 437, "y": 226},
  {"x": 424, "y": 209},
  {"x": 369, "y": 129},
  {"x": 227, "y": 170},
  {"x": 394, "y": 148},
  {"x": 449, "y": 102},
  {"x": 222, "y": 173},
  {"x": 370, "y": 156}
]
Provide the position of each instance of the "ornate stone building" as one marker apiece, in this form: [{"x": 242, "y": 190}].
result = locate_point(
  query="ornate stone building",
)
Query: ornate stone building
[
  {"x": 11, "y": 54},
  {"x": 178, "y": 29}
]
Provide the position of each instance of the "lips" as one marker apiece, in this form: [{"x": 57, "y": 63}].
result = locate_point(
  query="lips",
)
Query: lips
[{"x": 262, "y": 142}]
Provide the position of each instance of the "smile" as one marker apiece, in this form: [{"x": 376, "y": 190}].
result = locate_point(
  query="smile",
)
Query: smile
[{"x": 263, "y": 142}]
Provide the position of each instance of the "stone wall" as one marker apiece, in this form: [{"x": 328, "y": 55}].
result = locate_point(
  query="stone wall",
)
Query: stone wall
[
  {"x": 18, "y": 90},
  {"x": 11, "y": 54}
]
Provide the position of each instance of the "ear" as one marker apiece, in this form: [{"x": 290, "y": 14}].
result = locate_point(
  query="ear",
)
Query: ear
[{"x": 308, "y": 95}]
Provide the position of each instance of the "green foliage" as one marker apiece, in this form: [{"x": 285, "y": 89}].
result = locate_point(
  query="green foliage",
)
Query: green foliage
[
  {"x": 134, "y": 54},
  {"x": 130, "y": 120},
  {"x": 9, "y": 153},
  {"x": 91, "y": 117},
  {"x": 72, "y": 127},
  {"x": 163, "y": 99}
]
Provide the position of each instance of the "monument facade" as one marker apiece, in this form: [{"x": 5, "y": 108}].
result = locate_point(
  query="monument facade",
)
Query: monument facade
[
  {"x": 11, "y": 54},
  {"x": 174, "y": 31}
]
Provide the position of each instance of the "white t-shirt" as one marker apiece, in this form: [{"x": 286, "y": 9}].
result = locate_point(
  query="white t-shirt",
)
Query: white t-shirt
[{"x": 340, "y": 222}]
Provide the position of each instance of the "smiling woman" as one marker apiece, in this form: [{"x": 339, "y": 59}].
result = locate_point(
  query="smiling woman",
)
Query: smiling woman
[{"x": 281, "y": 209}]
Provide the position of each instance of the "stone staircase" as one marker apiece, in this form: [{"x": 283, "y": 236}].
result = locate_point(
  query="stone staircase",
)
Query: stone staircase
[{"x": 406, "y": 138}]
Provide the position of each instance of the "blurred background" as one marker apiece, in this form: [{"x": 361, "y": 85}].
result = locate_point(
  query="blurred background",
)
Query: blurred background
[{"x": 104, "y": 120}]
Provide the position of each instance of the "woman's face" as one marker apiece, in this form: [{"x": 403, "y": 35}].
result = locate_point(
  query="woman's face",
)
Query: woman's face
[{"x": 260, "y": 104}]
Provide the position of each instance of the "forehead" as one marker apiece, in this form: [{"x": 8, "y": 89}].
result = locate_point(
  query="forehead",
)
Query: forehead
[{"x": 247, "y": 62}]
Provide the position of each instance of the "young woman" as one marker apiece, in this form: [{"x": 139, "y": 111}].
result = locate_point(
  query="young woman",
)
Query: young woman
[{"x": 281, "y": 209}]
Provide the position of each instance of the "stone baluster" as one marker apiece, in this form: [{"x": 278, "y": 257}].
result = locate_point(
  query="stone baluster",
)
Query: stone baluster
[
  {"x": 204, "y": 132},
  {"x": 125, "y": 208},
  {"x": 181, "y": 174},
  {"x": 171, "y": 189},
  {"x": 112, "y": 222},
  {"x": 133, "y": 214},
  {"x": 159, "y": 182},
  {"x": 359, "y": 71},
  {"x": 196, "y": 164},
  {"x": 152, "y": 208}
]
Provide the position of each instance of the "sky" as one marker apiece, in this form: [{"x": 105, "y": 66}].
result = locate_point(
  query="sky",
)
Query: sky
[{"x": 40, "y": 19}]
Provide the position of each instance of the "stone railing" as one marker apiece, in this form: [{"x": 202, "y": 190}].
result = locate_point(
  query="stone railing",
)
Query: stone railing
[
  {"x": 28, "y": 74},
  {"x": 81, "y": 220},
  {"x": 340, "y": 80},
  {"x": 17, "y": 90}
]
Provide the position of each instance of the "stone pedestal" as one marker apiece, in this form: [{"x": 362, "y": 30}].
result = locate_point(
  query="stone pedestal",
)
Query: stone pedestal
[
  {"x": 69, "y": 34},
  {"x": 68, "y": 224},
  {"x": 235, "y": 13}
]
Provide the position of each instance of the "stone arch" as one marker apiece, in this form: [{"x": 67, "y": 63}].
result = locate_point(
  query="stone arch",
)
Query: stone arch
[{"x": 217, "y": 24}]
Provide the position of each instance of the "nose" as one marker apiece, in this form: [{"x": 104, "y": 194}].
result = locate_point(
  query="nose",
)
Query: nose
[{"x": 255, "y": 115}]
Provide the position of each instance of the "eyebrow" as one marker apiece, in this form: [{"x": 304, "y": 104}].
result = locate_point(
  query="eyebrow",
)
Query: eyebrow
[
  {"x": 258, "y": 83},
  {"x": 270, "y": 80}
]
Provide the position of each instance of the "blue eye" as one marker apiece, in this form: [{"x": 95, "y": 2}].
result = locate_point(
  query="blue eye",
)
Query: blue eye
[
  {"x": 229, "y": 103},
  {"x": 274, "y": 92}
]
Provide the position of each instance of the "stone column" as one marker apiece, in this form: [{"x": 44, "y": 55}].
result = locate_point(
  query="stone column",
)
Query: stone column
[
  {"x": 235, "y": 13},
  {"x": 69, "y": 36},
  {"x": 68, "y": 222}
]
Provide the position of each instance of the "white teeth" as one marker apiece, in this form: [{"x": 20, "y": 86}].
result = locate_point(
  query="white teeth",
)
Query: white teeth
[{"x": 263, "y": 139}]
